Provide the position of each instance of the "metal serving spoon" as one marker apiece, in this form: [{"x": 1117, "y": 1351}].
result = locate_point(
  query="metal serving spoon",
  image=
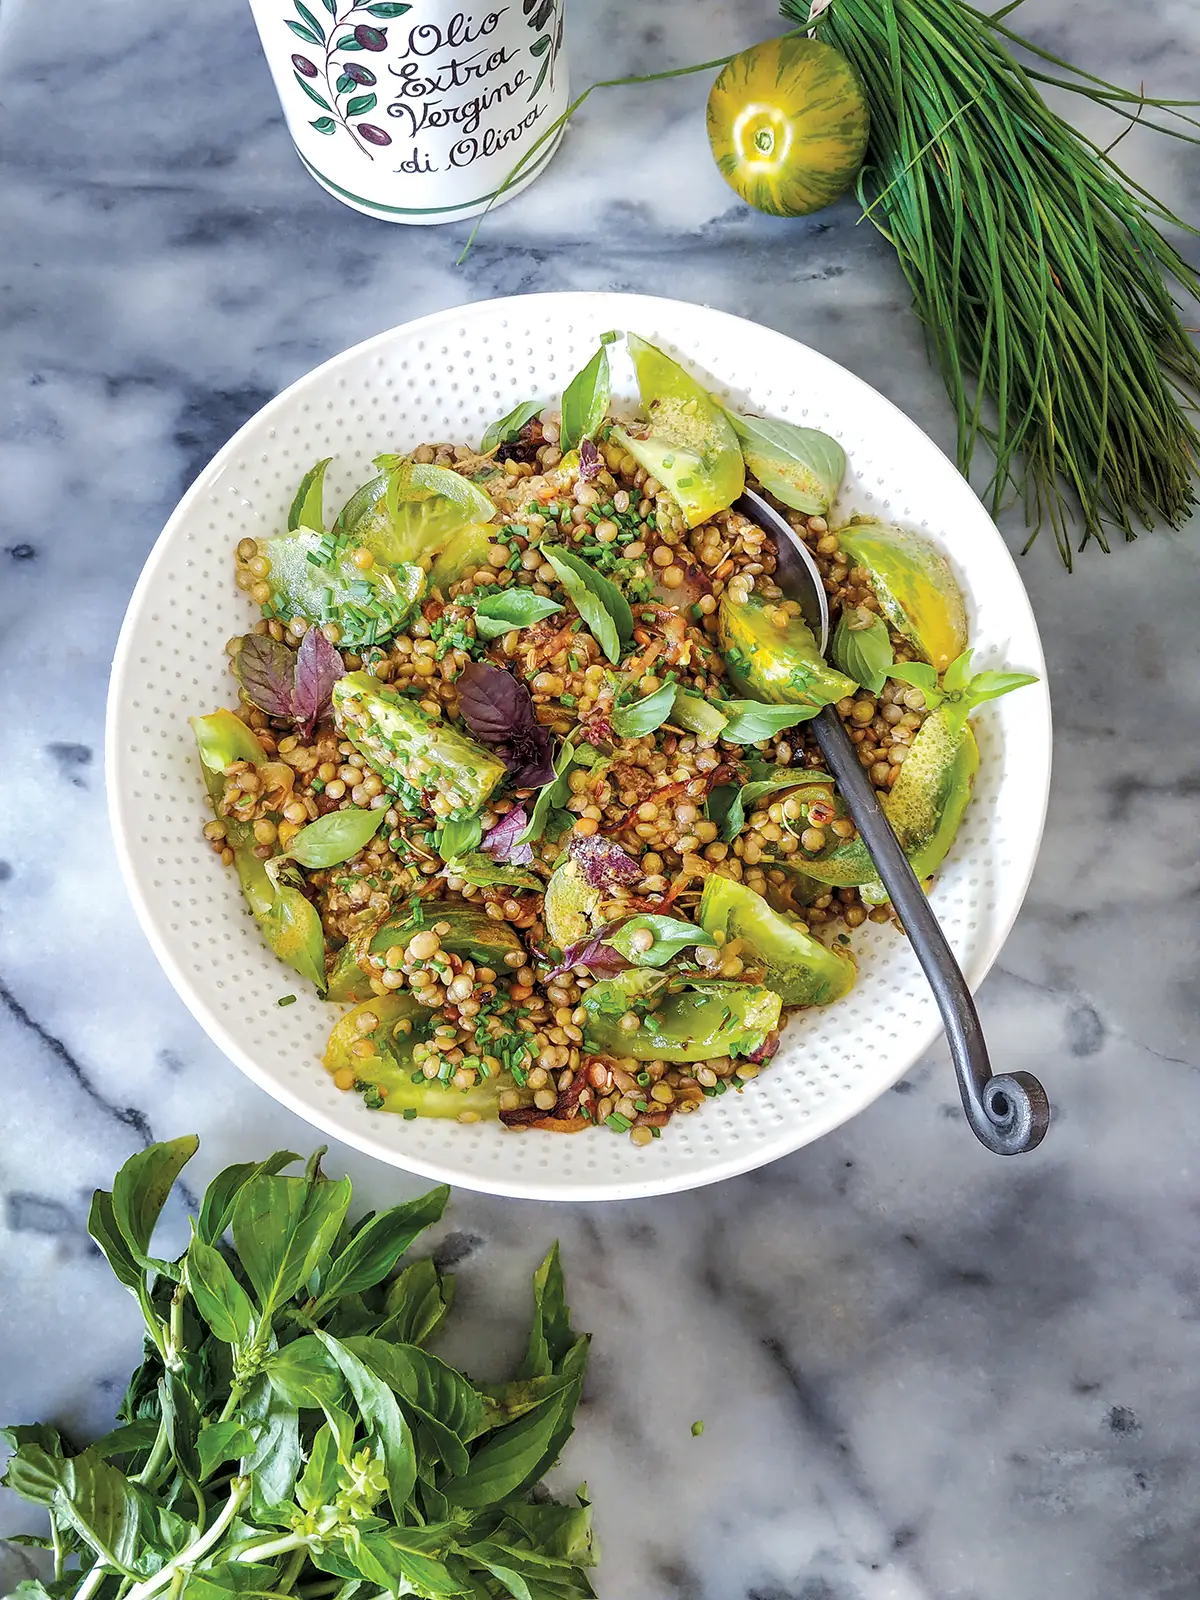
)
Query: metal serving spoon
[{"x": 1008, "y": 1113}]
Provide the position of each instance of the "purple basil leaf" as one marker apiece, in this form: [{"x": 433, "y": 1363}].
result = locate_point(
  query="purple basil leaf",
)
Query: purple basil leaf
[
  {"x": 590, "y": 462},
  {"x": 602, "y": 862},
  {"x": 265, "y": 668},
  {"x": 501, "y": 844},
  {"x": 601, "y": 960},
  {"x": 318, "y": 668},
  {"x": 498, "y": 709}
]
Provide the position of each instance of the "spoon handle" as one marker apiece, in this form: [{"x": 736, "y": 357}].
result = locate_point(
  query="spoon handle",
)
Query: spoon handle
[{"x": 1009, "y": 1113}]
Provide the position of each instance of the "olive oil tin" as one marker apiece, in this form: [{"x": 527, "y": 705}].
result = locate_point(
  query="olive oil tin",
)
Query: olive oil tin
[{"x": 418, "y": 112}]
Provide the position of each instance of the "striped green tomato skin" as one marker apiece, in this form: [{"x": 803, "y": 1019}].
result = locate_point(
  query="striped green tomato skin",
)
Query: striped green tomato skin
[{"x": 788, "y": 125}]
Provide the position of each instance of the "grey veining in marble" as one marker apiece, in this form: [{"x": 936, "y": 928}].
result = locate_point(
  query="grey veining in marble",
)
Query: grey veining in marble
[{"x": 926, "y": 1374}]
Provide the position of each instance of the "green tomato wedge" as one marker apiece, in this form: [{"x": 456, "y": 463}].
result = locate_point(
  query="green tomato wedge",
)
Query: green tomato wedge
[
  {"x": 925, "y": 806},
  {"x": 390, "y": 1067},
  {"x": 222, "y": 739},
  {"x": 289, "y": 923},
  {"x": 412, "y": 751},
  {"x": 914, "y": 585},
  {"x": 780, "y": 665},
  {"x": 692, "y": 1022},
  {"x": 690, "y": 445},
  {"x": 410, "y": 511},
  {"x": 571, "y": 905},
  {"x": 466, "y": 552},
  {"x": 472, "y": 935},
  {"x": 800, "y": 969},
  {"x": 308, "y": 506},
  {"x": 367, "y": 606}
]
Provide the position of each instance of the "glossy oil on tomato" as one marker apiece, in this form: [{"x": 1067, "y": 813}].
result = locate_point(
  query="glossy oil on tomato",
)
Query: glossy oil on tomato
[{"x": 787, "y": 122}]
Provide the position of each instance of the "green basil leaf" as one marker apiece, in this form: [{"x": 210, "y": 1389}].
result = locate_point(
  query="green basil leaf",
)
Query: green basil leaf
[
  {"x": 140, "y": 1190},
  {"x": 441, "y": 1397},
  {"x": 128, "y": 1439},
  {"x": 585, "y": 399},
  {"x": 181, "y": 1420},
  {"x": 559, "y": 1532},
  {"x": 292, "y": 928},
  {"x": 749, "y": 722},
  {"x": 600, "y": 603},
  {"x": 333, "y": 839},
  {"x": 497, "y": 1562},
  {"x": 218, "y": 1442},
  {"x": 862, "y": 647},
  {"x": 922, "y": 676},
  {"x": 644, "y": 716},
  {"x": 102, "y": 1225},
  {"x": 800, "y": 466},
  {"x": 698, "y": 715},
  {"x": 417, "y": 1304},
  {"x": 319, "y": 1481},
  {"x": 991, "y": 685},
  {"x": 550, "y": 1335},
  {"x": 958, "y": 674},
  {"x": 383, "y": 1416},
  {"x": 750, "y": 794},
  {"x": 114, "y": 1517},
  {"x": 509, "y": 427},
  {"x": 216, "y": 1209},
  {"x": 375, "y": 1249},
  {"x": 459, "y": 836},
  {"x": 549, "y": 795},
  {"x": 497, "y": 614},
  {"x": 481, "y": 870},
  {"x": 505, "y": 1402},
  {"x": 282, "y": 1227},
  {"x": 671, "y": 936},
  {"x": 308, "y": 507},
  {"x": 719, "y": 804},
  {"x": 273, "y": 1461},
  {"x": 514, "y": 1458},
  {"x": 390, "y": 1557},
  {"x": 303, "y": 1373},
  {"x": 220, "y": 1298}
]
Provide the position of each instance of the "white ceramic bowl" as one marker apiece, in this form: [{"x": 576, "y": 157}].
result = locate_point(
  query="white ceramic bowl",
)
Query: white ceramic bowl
[{"x": 445, "y": 377}]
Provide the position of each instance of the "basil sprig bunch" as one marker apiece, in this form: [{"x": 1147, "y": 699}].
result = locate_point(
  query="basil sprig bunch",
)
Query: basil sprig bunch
[{"x": 287, "y": 1432}]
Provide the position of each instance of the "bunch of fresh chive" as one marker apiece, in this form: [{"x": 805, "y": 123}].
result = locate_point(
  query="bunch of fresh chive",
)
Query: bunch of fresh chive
[{"x": 1036, "y": 265}]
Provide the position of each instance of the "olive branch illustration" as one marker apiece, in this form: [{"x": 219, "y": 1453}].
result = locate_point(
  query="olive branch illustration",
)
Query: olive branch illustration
[
  {"x": 351, "y": 93},
  {"x": 547, "y": 19}
]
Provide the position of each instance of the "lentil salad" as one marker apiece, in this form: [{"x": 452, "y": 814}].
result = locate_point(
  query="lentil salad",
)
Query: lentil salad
[{"x": 519, "y": 769}]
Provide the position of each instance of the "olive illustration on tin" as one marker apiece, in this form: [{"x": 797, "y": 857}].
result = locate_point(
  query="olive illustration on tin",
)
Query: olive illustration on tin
[{"x": 344, "y": 81}]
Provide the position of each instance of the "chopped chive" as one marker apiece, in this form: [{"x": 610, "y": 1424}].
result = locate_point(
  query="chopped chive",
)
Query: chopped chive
[
  {"x": 644, "y": 1079},
  {"x": 567, "y": 700},
  {"x": 617, "y": 1122},
  {"x": 410, "y": 1113},
  {"x": 518, "y": 1074},
  {"x": 656, "y": 1133},
  {"x": 286, "y": 1000},
  {"x": 640, "y": 1105},
  {"x": 416, "y": 1077},
  {"x": 697, "y": 1429}
]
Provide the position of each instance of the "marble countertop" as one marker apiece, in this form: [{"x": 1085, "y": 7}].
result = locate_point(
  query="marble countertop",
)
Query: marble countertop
[{"x": 924, "y": 1372}]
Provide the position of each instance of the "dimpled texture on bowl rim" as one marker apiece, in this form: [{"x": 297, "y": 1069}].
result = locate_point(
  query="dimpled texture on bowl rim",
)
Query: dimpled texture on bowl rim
[{"x": 445, "y": 377}]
